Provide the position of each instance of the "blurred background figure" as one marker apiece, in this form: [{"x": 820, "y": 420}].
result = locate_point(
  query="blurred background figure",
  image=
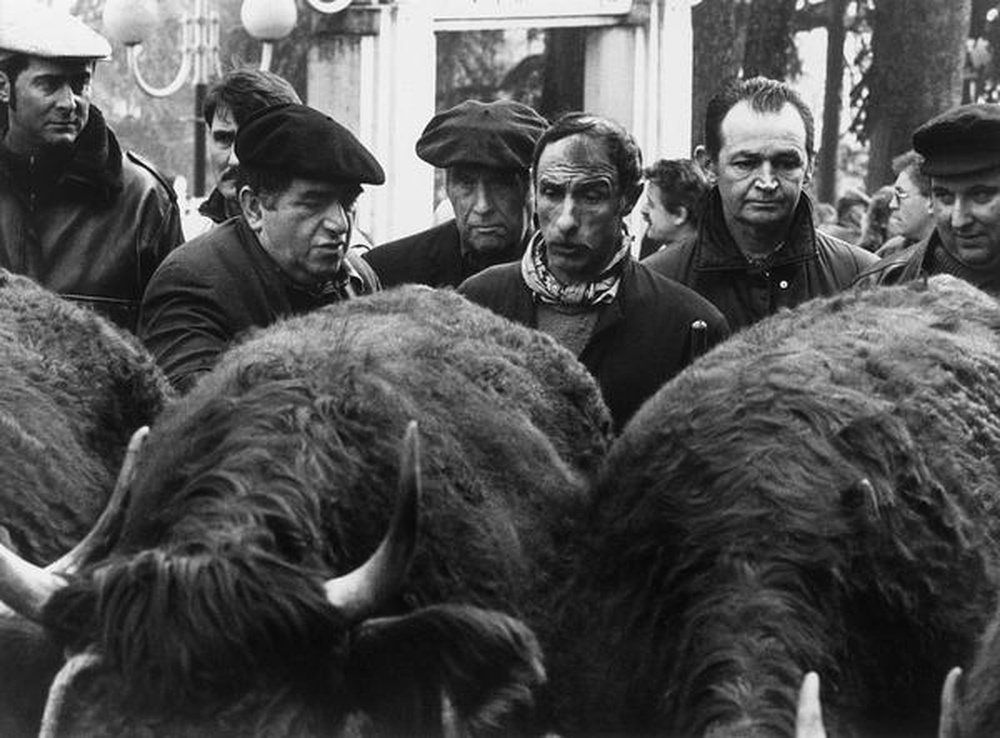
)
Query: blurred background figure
[
  {"x": 912, "y": 217},
  {"x": 671, "y": 206},
  {"x": 228, "y": 104},
  {"x": 851, "y": 208},
  {"x": 824, "y": 214},
  {"x": 875, "y": 224}
]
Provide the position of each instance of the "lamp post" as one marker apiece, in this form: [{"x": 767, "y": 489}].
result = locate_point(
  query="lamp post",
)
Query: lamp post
[{"x": 132, "y": 21}]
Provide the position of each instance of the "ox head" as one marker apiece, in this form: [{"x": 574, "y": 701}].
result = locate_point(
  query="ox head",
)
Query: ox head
[{"x": 223, "y": 638}]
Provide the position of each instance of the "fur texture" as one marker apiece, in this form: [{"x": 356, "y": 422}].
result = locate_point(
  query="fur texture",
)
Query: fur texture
[
  {"x": 285, "y": 461},
  {"x": 820, "y": 493},
  {"x": 73, "y": 388}
]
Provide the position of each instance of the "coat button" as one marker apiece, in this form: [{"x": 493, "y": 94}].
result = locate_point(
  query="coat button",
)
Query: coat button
[{"x": 783, "y": 284}]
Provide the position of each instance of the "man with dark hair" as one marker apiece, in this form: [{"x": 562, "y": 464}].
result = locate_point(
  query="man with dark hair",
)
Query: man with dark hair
[
  {"x": 228, "y": 103},
  {"x": 301, "y": 173},
  {"x": 757, "y": 249},
  {"x": 911, "y": 216},
  {"x": 961, "y": 155},
  {"x": 77, "y": 214},
  {"x": 485, "y": 149},
  {"x": 577, "y": 280},
  {"x": 675, "y": 189}
]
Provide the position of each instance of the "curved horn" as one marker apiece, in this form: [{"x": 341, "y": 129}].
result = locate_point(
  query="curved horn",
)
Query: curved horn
[
  {"x": 948, "y": 723},
  {"x": 809, "y": 715},
  {"x": 55, "y": 705},
  {"x": 360, "y": 592},
  {"x": 24, "y": 587},
  {"x": 99, "y": 537}
]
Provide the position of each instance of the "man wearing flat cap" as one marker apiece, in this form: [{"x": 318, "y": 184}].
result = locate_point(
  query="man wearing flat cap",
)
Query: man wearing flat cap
[
  {"x": 300, "y": 174},
  {"x": 77, "y": 214},
  {"x": 961, "y": 152},
  {"x": 485, "y": 150},
  {"x": 577, "y": 281}
]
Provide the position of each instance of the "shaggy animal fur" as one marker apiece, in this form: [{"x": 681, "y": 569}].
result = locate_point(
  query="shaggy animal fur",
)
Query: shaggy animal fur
[
  {"x": 73, "y": 388},
  {"x": 285, "y": 460},
  {"x": 818, "y": 493}
]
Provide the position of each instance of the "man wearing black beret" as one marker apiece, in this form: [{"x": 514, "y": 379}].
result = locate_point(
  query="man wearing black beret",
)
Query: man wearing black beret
[
  {"x": 961, "y": 151},
  {"x": 485, "y": 150},
  {"x": 301, "y": 173}
]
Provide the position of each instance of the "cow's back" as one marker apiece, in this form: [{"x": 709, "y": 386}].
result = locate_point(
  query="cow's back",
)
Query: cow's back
[
  {"x": 838, "y": 463},
  {"x": 512, "y": 430}
]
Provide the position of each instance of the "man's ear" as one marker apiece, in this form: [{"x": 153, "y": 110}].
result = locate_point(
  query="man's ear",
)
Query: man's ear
[
  {"x": 4, "y": 88},
  {"x": 810, "y": 168},
  {"x": 706, "y": 162},
  {"x": 252, "y": 207},
  {"x": 681, "y": 215}
]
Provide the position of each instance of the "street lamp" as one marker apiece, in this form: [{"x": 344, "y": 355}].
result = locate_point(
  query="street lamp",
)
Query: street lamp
[{"x": 132, "y": 21}]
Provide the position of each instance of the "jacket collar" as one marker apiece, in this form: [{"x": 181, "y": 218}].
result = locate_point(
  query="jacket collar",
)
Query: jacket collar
[
  {"x": 718, "y": 251},
  {"x": 217, "y": 208},
  {"x": 93, "y": 173}
]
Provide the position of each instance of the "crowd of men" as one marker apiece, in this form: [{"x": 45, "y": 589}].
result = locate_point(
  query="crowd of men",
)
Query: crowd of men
[{"x": 539, "y": 233}]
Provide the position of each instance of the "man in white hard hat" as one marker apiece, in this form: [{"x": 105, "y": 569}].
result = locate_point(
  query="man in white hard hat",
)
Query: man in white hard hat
[{"x": 77, "y": 214}]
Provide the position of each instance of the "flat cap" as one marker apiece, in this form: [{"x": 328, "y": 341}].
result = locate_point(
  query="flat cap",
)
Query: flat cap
[
  {"x": 499, "y": 134},
  {"x": 963, "y": 140},
  {"x": 305, "y": 143},
  {"x": 29, "y": 27}
]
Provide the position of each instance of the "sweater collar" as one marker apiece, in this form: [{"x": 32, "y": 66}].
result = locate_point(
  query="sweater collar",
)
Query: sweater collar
[{"x": 938, "y": 260}]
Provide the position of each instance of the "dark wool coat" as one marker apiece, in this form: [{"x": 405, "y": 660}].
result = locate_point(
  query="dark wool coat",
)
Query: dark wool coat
[
  {"x": 213, "y": 289},
  {"x": 811, "y": 264},
  {"x": 641, "y": 340},
  {"x": 432, "y": 257},
  {"x": 93, "y": 230}
]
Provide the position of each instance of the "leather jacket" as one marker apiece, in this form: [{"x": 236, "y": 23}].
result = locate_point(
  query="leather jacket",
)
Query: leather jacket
[
  {"x": 810, "y": 264},
  {"x": 92, "y": 228}
]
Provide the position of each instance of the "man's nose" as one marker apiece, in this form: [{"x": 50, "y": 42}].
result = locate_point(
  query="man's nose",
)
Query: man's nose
[
  {"x": 335, "y": 219},
  {"x": 565, "y": 221},
  {"x": 65, "y": 97},
  {"x": 232, "y": 160},
  {"x": 765, "y": 177},
  {"x": 482, "y": 200},
  {"x": 961, "y": 213}
]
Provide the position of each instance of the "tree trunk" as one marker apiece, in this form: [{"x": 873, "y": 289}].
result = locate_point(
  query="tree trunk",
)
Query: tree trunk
[
  {"x": 770, "y": 46},
  {"x": 562, "y": 85},
  {"x": 918, "y": 52},
  {"x": 718, "y": 51},
  {"x": 826, "y": 170}
]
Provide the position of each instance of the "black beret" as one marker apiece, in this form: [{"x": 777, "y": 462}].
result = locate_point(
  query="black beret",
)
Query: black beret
[
  {"x": 305, "y": 143},
  {"x": 962, "y": 140},
  {"x": 498, "y": 134}
]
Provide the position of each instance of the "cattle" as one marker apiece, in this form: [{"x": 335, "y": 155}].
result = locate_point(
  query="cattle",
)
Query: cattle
[
  {"x": 73, "y": 388},
  {"x": 819, "y": 493},
  {"x": 970, "y": 701},
  {"x": 231, "y": 600}
]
